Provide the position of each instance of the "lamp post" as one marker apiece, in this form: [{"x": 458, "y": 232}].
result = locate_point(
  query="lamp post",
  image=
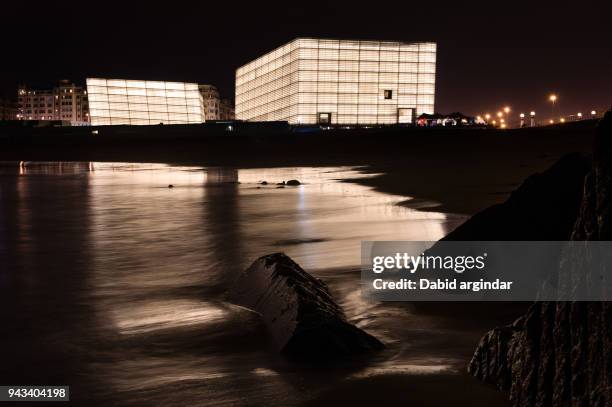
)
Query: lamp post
[
  {"x": 507, "y": 113},
  {"x": 553, "y": 100},
  {"x": 593, "y": 114},
  {"x": 579, "y": 115},
  {"x": 522, "y": 116},
  {"x": 532, "y": 117}
]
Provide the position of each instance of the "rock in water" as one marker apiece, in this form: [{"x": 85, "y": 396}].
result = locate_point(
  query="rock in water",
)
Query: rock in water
[
  {"x": 301, "y": 315},
  {"x": 293, "y": 182},
  {"x": 560, "y": 353}
]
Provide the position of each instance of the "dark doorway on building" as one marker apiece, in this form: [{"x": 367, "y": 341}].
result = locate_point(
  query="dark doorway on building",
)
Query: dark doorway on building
[{"x": 325, "y": 118}]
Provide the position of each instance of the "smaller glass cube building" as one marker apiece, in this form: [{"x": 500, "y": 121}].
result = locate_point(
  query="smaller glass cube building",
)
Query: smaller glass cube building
[
  {"x": 134, "y": 102},
  {"x": 326, "y": 81}
]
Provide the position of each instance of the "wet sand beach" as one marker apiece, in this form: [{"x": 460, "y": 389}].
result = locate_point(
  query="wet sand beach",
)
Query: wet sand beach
[{"x": 114, "y": 283}]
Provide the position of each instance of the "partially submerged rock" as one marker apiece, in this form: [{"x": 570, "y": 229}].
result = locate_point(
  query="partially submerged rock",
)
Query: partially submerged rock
[
  {"x": 293, "y": 182},
  {"x": 300, "y": 313}
]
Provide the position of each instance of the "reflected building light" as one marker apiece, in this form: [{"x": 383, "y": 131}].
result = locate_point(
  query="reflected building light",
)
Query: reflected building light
[
  {"x": 347, "y": 82},
  {"x": 137, "y": 102}
]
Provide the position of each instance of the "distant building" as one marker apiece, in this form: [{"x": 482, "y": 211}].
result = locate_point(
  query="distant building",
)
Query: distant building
[
  {"x": 211, "y": 100},
  {"x": 66, "y": 102},
  {"x": 138, "y": 102},
  {"x": 324, "y": 81},
  {"x": 226, "y": 110},
  {"x": 8, "y": 109},
  {"x": 215, "y": 108}
]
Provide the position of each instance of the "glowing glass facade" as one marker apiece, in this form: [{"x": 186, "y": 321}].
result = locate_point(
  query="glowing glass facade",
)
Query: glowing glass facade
[
  {"x": 310, "y": 81},
  {"x": 118, "y": 101}
]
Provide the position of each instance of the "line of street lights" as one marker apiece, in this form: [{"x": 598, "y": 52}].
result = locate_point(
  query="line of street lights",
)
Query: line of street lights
[{"x": 503, "y": 116}]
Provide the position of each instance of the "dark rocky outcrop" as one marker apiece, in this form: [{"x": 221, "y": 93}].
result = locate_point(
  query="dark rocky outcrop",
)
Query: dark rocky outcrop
[
  {"x": 543, "y": 207},
  {"x": 293, "y": 182},
  {"x": 560, "y": 354},
  {"x": 299, "y": 311}
]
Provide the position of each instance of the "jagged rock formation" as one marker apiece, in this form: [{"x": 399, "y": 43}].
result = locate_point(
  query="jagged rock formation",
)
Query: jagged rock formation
[
  {"x": 301, "y": 315},
  {"x": 560, "y": 354},
  {"x": 543, "y": 207}
]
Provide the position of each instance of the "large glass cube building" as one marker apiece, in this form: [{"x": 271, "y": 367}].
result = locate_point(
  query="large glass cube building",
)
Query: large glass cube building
[
  {"x": 119, "y": 101},
  {"x": 309, "y": 81}
]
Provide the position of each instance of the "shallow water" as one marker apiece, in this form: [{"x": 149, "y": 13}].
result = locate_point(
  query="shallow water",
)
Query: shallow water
[{"x": 114, "y": 283}]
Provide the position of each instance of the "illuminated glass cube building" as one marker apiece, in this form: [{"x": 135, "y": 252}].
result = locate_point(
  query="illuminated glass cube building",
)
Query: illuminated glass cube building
[
  {"x": 133, "y": 102},
  {"x": 309, "y": 81}
]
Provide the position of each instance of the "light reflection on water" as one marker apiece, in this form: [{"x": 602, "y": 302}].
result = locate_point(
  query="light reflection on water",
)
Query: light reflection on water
[{"x": 124, "y": 278}]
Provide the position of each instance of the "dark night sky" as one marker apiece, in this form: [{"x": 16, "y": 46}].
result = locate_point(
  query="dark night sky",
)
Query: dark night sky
[{"x": 489, "y": 53}]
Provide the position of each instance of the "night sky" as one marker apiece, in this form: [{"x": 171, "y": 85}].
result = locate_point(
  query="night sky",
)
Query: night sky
[{"x": 490, "y": 54}]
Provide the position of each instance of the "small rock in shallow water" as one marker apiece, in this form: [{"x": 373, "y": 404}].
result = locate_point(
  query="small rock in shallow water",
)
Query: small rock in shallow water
[
  {"x": 293, "y": 182},
  {"x": 170, "y": 186}
]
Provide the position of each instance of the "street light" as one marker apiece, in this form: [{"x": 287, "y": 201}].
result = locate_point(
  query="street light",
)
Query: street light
[
  {"x": 487, "y": 116},
  {"x": 593, "y": 113},
  {"x": 562, "y": 120},
  {"x": 522, "y": 116},
  {"x": 507, "y": 109},
  {"x": 579, "y": 115},
  {"x": 499, "y": 114},
  {"x": 532, "y": 115},
  {"x": 553, "y": 99}
]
